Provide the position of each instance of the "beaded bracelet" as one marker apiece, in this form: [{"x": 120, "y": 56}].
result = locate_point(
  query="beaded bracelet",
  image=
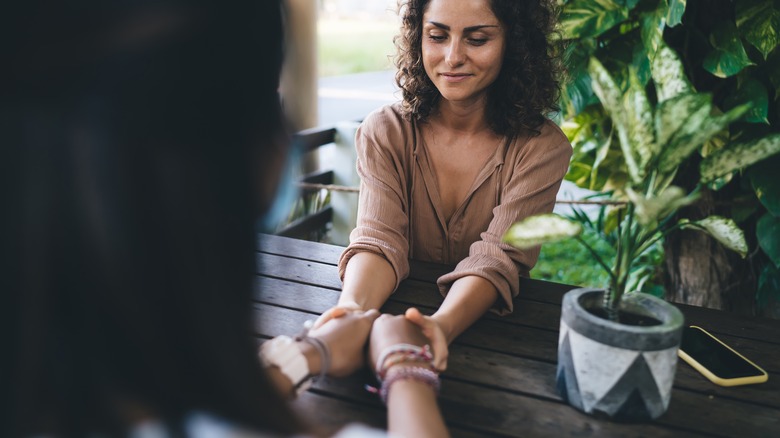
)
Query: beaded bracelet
[
  {"x": 322, "y": 348},
  {"x": 408, "y": 352},
  {"x": 420, "y": 374}
]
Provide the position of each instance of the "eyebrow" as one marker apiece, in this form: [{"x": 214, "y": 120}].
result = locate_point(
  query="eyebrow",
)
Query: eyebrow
[{"x": 465, "y": 29}]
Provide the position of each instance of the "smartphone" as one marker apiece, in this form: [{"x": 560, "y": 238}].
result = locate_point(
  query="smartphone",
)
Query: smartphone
[{"x": 716, "y": 360}]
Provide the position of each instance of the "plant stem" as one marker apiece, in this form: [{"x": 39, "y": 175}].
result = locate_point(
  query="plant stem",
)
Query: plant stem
[
  {"x": 597, "y": 257},
  {"x": 609, "y": 305}
]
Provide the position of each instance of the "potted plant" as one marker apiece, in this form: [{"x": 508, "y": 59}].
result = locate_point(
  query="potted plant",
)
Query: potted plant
[{"x": 617, "y": 349}]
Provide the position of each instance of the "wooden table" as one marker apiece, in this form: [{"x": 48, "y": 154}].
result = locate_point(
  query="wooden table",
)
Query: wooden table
[{"x": 501, "y": 375}]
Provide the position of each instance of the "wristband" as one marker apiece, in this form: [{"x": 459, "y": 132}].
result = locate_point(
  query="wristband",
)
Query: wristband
[
  {"x": 322, "y": 348},
  {"x": 282, "y": 352},
  {"x": 408, "y": 352},
  {"x": 420, "y": 374}
]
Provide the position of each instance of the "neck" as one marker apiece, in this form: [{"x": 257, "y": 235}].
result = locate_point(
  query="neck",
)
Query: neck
[{"x": 463, "y": 118}]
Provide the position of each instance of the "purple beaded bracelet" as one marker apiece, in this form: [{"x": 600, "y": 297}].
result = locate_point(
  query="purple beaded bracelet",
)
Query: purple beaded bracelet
[{"x": 421, "y": 374}]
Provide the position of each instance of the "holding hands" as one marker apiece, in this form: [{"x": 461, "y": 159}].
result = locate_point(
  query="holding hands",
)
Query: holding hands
[
  {"x": 345, "y": 336},
  {"x": 335, "y": 344},
  {"x": 399, "y": 353}
]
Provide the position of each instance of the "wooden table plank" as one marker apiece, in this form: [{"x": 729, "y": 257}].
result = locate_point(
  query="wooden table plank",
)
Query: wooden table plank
[
  {"x": 535, "y": 317},
  {"x": 425, "y": 296},
  {"x": 528, "y": 378},
  {"x": 298, "y": 248},
  {"x": 313, "y": 300},
  {"x": 487, "y": 410},
  {"x": 763, "y": 329},
  {"x": 510, "y": 361}
]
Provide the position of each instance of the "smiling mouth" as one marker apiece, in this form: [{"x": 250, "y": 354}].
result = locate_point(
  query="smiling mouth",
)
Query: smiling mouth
[{"x": 455, "y": 77}]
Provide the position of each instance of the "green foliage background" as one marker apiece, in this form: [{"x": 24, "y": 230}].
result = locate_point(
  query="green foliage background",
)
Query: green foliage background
[{"x": 729, "y": 50}]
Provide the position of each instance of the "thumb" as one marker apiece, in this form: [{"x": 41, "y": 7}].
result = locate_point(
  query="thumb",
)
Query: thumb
[
  {"x": 332, "y": 313},
  {"x": 371, "y": 314},
  {"x": 415, "y": 316},
  {"x": 435, "y": 337}
]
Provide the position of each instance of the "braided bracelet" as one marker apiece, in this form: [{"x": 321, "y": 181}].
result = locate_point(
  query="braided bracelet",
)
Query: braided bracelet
[
  {"x": 322, "y": 348},
  {"x": 420, "y": 374},
  {"x": 409, "y": 352}
]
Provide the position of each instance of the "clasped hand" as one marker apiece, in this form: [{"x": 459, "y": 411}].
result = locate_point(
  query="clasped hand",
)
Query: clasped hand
[{"x": 346, "y": 331}]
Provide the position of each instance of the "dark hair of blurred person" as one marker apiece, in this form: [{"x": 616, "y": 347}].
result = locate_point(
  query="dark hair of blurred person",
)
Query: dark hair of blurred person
[{"x": 141, "y": 140}]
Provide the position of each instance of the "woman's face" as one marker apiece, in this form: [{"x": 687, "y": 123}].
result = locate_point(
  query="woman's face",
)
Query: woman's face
[{"x": 462, "y": 48}]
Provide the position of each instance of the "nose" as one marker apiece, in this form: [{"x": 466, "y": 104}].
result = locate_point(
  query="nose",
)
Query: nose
[{"x": 455, "y": 54}]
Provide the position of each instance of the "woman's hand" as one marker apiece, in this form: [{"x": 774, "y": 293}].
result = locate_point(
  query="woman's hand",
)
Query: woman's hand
[
  {"x": 391, "y": 330},
  {"x": 336, "y": 312},
  {"x": 345, "y": 334},
  {"x": 433, "y": 331}
]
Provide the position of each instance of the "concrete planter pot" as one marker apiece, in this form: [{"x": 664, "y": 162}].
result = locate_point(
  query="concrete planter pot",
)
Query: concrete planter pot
[{"x": 621, "y": 371}]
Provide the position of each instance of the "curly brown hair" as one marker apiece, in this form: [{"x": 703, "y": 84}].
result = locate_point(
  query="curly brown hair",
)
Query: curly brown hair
[{"x": 527, "y": 88}]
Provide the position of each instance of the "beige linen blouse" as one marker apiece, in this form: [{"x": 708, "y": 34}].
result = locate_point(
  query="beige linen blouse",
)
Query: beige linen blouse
[{"x": 399, "y": 208}]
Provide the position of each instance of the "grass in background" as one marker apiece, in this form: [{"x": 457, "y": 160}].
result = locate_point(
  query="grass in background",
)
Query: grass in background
[{"x": 349, "y": 46}]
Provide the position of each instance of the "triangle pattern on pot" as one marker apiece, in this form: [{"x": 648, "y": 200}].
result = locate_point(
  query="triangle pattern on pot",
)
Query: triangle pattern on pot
[
  {"x": 644, "y": 400},
  {"x": 566, "y": 379},
  {"x": 598, "y": 367},
  {"x": 663, "y": 364}
]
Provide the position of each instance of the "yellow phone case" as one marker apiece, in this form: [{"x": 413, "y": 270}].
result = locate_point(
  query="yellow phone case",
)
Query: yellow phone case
[{"x": 763, "y": 377}]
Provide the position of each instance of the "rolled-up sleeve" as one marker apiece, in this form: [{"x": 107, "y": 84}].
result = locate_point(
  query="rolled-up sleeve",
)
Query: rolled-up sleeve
[
  {"x": 530, "y": 186},
  {"x": 382, "y": 219}
]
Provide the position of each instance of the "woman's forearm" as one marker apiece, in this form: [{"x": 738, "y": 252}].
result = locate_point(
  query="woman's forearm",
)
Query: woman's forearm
[
  {"x": 412, "y": 411},
  {"x": 468, "y": 299},
  {"x": 369, "y": 280}
]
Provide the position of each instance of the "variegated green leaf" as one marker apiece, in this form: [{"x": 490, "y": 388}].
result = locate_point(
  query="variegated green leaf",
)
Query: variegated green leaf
[
  {"x": 653, "y": 24},
  {"x": 601, "y": 154},
  {"x": 605, "y": 87},
  {"x": 683, "y": 112},
  {"x": 625, "y": 52},
  {"x": 675, "y": 13},
  {"x": 540, "y": 229},
  {"x": 652, "y": 210},
  {"x": 738, "y": 156},
  {"x": 611, "y": 97},
  {"x": 759, "y": 22},
  {"x": 716, "y": 142},
  {"x": 669, "y": 74},
  {"x": 692, "y": 135},
  {"x": 724, "y": 230},
  {"x": 728, "y": 56},
  {"x": 586, "y": 18},
  {"x": 751, "y": 91},
  {"x": 639, "y": 121}
]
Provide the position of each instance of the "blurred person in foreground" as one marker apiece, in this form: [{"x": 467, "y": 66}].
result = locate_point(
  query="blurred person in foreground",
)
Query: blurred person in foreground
[{"x": 141, "y": 142}]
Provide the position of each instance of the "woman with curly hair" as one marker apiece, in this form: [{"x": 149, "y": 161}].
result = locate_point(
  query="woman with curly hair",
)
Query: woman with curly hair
[{"x": 467, "y": 152}]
